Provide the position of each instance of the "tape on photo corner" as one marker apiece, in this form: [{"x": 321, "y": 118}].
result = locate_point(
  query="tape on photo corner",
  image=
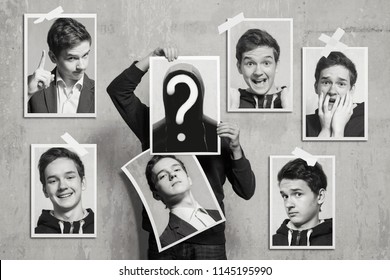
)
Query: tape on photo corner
[
  {"x": 80, "y": 150},
  {"x": 50, "y": 15},
  {"x": 230, "y": 23},
  {"x": 310, "y": 159},
  {"x": 333, "y": 43}
]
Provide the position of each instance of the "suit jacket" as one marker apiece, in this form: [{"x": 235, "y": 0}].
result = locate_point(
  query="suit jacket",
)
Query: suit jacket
[
  {"x": 178, "y": 228},
  {"x": 45, "y": 100}
]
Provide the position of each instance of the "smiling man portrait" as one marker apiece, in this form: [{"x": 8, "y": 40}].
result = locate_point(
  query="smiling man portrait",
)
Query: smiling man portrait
[{"x": 62, "y": 175}]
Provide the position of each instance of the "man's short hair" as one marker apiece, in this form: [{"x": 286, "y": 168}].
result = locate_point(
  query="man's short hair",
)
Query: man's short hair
[
  {"x": 298, "y": 169},
  {"x": 66, "y": 33},
  {"x": 54, "y": 153},
  {"x": 254, "y": 38},
  {"x": 152, "y": 162},
  {"x": 333, "y": 59}
]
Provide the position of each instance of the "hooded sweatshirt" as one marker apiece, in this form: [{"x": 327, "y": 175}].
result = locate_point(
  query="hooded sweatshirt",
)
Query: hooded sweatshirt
[
  {"x": 320, "y": 235},
  {"x": 47, "y": 223}
]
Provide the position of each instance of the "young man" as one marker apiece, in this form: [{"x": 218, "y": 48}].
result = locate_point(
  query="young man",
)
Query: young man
[
  {"x": 232, "y": 163},
  {"x": 61, "y": 173},
  {"x": 257, "y": 54},
  {"x": 303, "y": 189},
  {"x": 337, "y": 116},
  {"x": 169, "y": 182},
  {"x": 66, "y": 89}
]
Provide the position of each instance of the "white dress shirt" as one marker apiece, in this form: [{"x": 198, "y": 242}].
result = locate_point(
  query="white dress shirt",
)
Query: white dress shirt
[
  {"x": 197, "y": 216},
  {"x": 68, "y": 99}
]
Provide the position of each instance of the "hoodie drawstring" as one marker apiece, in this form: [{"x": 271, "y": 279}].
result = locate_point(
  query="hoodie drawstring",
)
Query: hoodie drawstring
[
  {"x": 82, "y": 222},
  {"x": 61, "y": 224}
]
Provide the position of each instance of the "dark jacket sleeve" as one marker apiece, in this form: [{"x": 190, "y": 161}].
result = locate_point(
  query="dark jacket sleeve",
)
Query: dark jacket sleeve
[
  {"x": 241, "y": 176},
  {"x": 132, "y": 110}
]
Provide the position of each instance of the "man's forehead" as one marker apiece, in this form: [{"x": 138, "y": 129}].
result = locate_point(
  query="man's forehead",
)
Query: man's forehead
[
  {"x": 60, "y": 165},
  {"x": 293, "y": 184},
  {"x": 165, "y": 163},
  {"x": 335, "y": 71},
  {"x": 259, "y": 52},
  {"x": 79, "y": 49}
]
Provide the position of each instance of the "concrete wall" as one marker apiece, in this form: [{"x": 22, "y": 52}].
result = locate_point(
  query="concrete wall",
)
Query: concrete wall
[{"x": 128, "y": 30}]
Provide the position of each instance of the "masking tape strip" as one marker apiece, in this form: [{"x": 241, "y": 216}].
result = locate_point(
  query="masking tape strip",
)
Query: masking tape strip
[
  {"x": 50, "y": 15},
  {"x": 230, "y": 23},
  {"x": 80, "y": 150},
  {"x": 310, "y": 159},
  {"x": 333, "y": 43}
]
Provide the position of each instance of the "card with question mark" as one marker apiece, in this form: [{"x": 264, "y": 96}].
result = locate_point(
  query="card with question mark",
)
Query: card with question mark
[{"x": 184, "y": 105}]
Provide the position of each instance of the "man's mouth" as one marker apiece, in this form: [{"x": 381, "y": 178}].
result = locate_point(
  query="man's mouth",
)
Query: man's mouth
[
  {"x": 175, "y": 183},
  {"x": 259, "y": 81},
  {"x": 292, "y": 214},
  {"x": 64, "y": 195}
]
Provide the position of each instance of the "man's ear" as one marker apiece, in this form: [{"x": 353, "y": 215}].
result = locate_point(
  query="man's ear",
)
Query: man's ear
[
  {"x": 321, "y": 196},
  {"x": 239, "y": 67},
  {"x": 83, "y": 183},
  {"x": 315, "y": 87},
  {"x": 44, "y": 191},
  {"x": 53, "y": 58}
]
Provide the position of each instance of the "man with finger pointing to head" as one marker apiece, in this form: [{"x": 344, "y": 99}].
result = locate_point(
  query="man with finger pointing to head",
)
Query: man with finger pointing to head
[{"x": 66, "y": 89}]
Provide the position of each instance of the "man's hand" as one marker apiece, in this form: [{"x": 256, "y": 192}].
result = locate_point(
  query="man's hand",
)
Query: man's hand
[
  {"x": 232, "y": 133},
  {"x": 170, "y": 53},
  {"x": 41, "y": 78},
  {"x": 325, "y": 114},
  {"x": 342, "y": 115}
]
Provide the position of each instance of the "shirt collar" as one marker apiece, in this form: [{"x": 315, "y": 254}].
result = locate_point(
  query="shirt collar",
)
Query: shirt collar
[
  {"x": 61, "y": 81},
  {"x": 187, "y": 213}
]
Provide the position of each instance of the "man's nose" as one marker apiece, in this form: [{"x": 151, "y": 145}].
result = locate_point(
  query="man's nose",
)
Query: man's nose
[
  {"x": 333, "y": 89},
  {"x": 172, "y": 175},
  {"x": 81, "y": 64},
  {"x": 62, "y": 185},
  {"x": 289, "y": 203},
  {"x": 258, "y": 70}
]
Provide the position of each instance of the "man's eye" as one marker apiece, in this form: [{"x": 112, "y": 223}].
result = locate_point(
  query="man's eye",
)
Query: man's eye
[
  {"x": 342, "y": 84},
  {"x": 86, "y": 55},
  {"x": 51, "y": 181},
  {"x": 298, "y": 194},
  {"x": 267, "y": 63},
  {"x": 325, "y": 83},
  {"x": 250, "y": 63},
  {"x": 70, "y": 177},
  {"x": 162, "y": 176},
  {"x": 71, "y": 58},
  {"x": 284, "y": 196}
]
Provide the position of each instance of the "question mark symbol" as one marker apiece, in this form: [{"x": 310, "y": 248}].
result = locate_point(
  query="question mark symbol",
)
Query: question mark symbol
[{"x": 182, "y": 78}]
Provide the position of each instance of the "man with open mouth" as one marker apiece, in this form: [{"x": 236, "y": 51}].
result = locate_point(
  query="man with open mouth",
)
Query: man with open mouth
[
  {"x": 257, "y": 54},
  {"x": 337, "y": 116},
  {"x": 62, "y": 176}
]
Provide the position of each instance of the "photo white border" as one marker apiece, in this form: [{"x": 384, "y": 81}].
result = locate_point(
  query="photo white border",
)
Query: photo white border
[
  {"x": 152, "y": 61},
  {"x": 272, "y": 182},
  {"x": 291, "y": 86},
  {"x": 25, "y": 74},
  {"x": 304, "y": 92},
  {"x": 92, "y": 184},
  {"x": 146, "y": 206}
]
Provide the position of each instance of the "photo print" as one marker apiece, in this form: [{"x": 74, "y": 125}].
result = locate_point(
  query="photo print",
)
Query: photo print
[
  {"x": 60, "y": 66},
  {"x": 184, "y": 105},
  {"x": 176, "y": 195},
  {"x": 63, "y": 191},
  {"x": 302, "y": 203},
  {"x": 260, "y": 66}
]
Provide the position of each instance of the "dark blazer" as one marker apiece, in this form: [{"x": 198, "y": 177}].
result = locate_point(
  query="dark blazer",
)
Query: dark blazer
[
  {"x": 178, "y": 228},
  {"x": 45, "y": 100}
]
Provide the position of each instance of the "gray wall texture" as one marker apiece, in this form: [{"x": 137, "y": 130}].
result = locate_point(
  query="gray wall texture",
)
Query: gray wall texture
[{"x": 128, "y": 30}]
